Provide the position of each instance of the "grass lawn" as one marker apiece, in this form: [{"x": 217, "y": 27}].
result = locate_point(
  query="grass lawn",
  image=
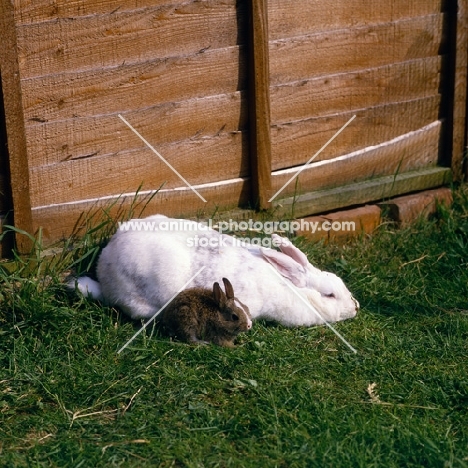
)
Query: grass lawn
[{"x": 281, "y": 398}]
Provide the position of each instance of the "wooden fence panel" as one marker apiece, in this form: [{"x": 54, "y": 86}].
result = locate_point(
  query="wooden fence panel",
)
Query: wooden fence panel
[
  {"x": 236, "y": 94},
  {"x": 175, "y": 70},
  {"x": 380, "y": 61},
  {"x": 80, "y": 94}
]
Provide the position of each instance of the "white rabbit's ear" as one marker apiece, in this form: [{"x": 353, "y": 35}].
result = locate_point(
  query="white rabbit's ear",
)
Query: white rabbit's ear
[
  {"x": 286, "y": 266},
  {"x": 287, "y": 247}
]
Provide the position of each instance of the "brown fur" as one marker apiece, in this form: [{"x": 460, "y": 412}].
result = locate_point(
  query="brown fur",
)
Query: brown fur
[{"x": 198, "y": 315}]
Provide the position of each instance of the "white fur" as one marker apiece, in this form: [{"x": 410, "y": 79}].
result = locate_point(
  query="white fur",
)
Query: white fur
[
  {"x": 87, "y": 287},
  {"x": 139, "y": 271}
]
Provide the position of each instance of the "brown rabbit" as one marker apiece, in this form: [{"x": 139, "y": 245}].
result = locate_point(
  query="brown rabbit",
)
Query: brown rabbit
[{"x": 198, "y": 315}]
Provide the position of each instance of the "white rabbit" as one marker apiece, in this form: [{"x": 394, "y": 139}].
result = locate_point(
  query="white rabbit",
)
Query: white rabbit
[{"x": 141, "y": 269}]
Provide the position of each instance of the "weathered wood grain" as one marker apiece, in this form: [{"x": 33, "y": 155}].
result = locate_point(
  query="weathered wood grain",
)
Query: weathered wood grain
[
  {"x": 289, "y": 18},
  {"x": 133, "y": 87},
  {"x": 57, "y": 140},
  {"x": 285, "y": 16},
  {"x": 36, "y": 11},
  {"x": 15, "y": 126},
  {"x": 408, "y": 152},
  {"x": 60, "y": 221},
  {"x": 351, "y": 49},
  {"x": 177, "y": 70},
  {"x": 259, "y": 105},
  {"x": 458, "y": 107},
  {"x": 295, "y": 143},
  {"x": 380, "y": 188},
  {"x": 199, "y": 161},
  {"x": 62, "y": 96},
  {"x": 109, "y": 40},
  {"x": 78, "y": 138},
  {"x": 335, "y": 93}
]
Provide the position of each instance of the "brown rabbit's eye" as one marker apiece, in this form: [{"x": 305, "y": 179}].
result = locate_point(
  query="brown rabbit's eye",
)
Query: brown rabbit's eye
[{"x": 234, "y": 317}]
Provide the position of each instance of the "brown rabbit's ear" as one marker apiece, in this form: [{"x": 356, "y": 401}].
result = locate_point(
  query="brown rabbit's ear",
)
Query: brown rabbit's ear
[
  {"x": 229, "y": 288},
  {"x": 218, "y": 293}
]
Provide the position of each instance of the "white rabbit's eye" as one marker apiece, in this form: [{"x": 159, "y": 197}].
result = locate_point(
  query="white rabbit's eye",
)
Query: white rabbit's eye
[{"x": 330, "y": 295}]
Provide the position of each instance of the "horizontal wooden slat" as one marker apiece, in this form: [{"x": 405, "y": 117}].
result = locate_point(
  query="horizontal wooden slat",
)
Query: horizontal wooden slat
[
  {"x": 288, "y": 18},
  {"x": 33, "y": 11},
  {"x": 108, "y": 40},
  {"x": 408, "y": 152},
  {"x": 101, "y": 135},
  {"x": 132, "y": 87},
  {"x": 295, "y": 143},
  {"x": 380, "y": 188},
  {"x": 330, "y": 94},
  {"x": 60, "y": 221},
  {"x": 198, "y": 161},
  {"x": 82, "y": 177},
  {"x": 354, "y": 49}
]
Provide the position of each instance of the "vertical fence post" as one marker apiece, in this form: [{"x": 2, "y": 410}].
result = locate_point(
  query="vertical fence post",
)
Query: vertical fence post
[
  {"x": 459, "y": 139},
  {"x": 259, "y": 104},
  {"x": 15, "y": 126},
  {"x": 456, "y": 95}
]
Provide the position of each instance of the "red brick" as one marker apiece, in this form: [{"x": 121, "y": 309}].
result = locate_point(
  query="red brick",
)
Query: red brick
[
  {"x": 312, "y": 221},
  {"x": 366, "y": 219},
  {"x": 405, "y": 210}
]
